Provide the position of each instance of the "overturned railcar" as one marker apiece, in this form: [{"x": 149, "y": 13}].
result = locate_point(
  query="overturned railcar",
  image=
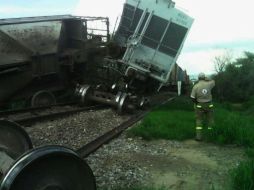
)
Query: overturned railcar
[
  {"x": 153, "y": 32},
  {"x": 42, "y": 58}
]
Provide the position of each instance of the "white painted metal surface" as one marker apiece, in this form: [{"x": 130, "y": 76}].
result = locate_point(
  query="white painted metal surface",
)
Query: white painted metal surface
[{"x": 154, "y": 32}]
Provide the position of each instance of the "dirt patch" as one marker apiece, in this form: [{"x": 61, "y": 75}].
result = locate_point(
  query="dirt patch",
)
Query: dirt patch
[
  {"x": 192, "y": 166},
  {"x": 189, "y": 165}
]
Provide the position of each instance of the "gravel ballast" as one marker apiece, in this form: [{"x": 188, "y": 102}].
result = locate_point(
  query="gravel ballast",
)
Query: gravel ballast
[
  {"x": 127, "y": 162},
  {"x": 76, "y": 130}
]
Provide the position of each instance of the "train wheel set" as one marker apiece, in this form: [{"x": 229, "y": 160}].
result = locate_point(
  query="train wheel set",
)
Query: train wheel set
[
  {"x": 23, "y": 167},
  {"x": 121, "y": 101}
]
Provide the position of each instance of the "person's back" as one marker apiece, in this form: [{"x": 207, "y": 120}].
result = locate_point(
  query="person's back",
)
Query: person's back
[
  {"x": 201, "y": 95},
  {"x": 202, "y": 91}
]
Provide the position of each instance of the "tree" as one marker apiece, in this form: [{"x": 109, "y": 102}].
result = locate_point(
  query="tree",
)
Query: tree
[
  {"x": 220, "y": 62},
  {"x": 234, "y": 80}
]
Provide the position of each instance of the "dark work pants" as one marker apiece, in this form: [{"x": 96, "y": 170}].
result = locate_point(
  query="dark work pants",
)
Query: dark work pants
[{"x": 204, "y": 115}]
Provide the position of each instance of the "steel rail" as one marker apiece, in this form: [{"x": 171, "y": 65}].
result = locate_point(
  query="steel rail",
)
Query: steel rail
[
  {"x": 40, "y": 117},
  {"x": 31, "y": 109},
  {"x": 91, "y": 147}
]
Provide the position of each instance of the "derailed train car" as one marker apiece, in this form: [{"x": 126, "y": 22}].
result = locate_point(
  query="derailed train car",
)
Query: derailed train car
[
  {"x": 154, "y": 33},
  {"x": 144, "y": 50},
  {"x": 44, "y": 57},
  {"x": 179, "y": 80},
  {"x": 44, "y": 60},
  {"x": 178, "y": 74}
]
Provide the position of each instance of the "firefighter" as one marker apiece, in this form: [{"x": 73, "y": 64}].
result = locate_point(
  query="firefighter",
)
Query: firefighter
[{"x": 202, "y": 97}]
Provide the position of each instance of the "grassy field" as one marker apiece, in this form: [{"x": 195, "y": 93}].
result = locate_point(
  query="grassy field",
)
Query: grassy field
[
  {"x": 234, "y": 124},
  {"x": 176, "y": 120},
  {"x": 243, "y": 176}
]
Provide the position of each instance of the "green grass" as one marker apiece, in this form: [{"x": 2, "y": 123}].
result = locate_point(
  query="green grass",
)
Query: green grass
[
  {"x": 167, "y": 122},
  {"x": 243, "y": 176},
  {"x": 234, "y": 124},
  {"x": 166, "y": 125},
  {"x": 249, "y": 107},
  {"x": 176, "y": 121},
  {"x": 233, "y": 128},
  {"x": 250, "y": 153},
  {"x": 245, "y": 108}
]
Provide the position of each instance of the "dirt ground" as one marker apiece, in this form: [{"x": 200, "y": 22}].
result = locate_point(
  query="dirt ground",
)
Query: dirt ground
[{"x": 190, "y": 165}]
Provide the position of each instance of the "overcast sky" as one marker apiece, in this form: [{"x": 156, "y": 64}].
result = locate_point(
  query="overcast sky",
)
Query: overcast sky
[{"x": 219, "y": 26}]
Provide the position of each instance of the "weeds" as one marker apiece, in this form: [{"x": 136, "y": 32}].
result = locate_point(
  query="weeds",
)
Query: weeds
[
  {"x": 250, "y": 153},
  {"x": 233, "y": 125},
  {"x": 233, "y": 128},
  {"x": 243, "y": 176},
  {"x": 166, "y": 125},
  {"x": 175, "y": 120},
  {"x": 170, "y": 121}
]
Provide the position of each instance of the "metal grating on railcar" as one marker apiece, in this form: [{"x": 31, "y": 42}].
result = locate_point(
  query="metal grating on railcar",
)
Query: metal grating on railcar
[{"x": 153, "y": 32}]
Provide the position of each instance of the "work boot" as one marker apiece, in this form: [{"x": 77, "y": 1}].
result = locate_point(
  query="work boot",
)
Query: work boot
[{"x": 199, "y": 133}]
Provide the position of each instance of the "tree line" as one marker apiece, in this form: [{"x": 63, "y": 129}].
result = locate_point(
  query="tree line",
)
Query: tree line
[{"x": 234, "y": 79}]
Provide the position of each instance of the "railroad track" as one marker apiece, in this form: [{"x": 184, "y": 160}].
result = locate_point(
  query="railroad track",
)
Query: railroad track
[
  {"x": 21, "y": 164},
  {"x": 31, "y": 115},
  {"x": 91, "y": 147},
  {"x": 31, "y": 109}
]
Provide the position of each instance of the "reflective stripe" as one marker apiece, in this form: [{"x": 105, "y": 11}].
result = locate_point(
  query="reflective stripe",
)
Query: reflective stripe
[
  {"x": 199, "y": 128},
  {"x": 211, "y": 106},
  {"x": 198, "y": 106},
  {"x": 210, "y": 128}
]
